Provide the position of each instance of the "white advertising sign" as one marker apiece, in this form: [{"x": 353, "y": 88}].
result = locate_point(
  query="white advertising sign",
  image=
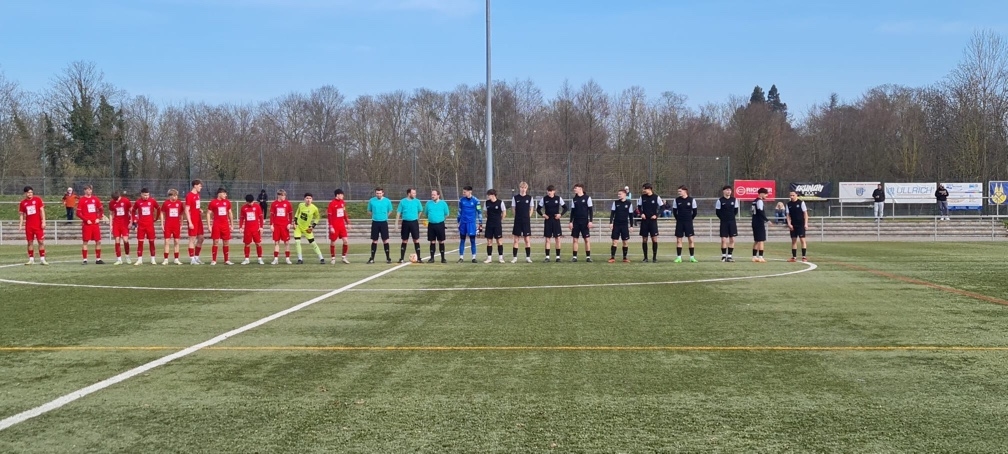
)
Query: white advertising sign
[
  {"x": 857, "y": 192},
  {"x": 910, "y": 192},
  {"x": 965, "y": 196}
]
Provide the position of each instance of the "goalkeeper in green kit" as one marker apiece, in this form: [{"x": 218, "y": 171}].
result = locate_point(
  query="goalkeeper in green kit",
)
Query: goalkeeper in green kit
[{"x": 306, "y": 217}]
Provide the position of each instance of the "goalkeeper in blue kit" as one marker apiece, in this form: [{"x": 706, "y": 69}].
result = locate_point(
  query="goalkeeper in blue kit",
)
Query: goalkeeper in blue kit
[{"x": 470, "y": 222}]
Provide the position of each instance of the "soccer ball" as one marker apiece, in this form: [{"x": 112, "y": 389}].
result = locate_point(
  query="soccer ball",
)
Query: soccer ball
[{"x": 413, "y": 258}]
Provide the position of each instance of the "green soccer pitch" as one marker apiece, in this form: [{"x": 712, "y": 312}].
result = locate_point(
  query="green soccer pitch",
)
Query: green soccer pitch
[{"x": 877, "y": 347}]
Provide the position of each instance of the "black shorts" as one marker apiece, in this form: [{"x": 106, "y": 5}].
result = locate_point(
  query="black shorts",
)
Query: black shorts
[
  {"x": 684, "y": 229},
  {"x": 729, "y": 229},
  {"x": 379, "y": 229},
  {"x": 552, "y": 229},
  {"x": 436, "y": 232},
  {"x": 522, "y": 227},
  {"x": 759, "y": 232},
  {"x": 580, "y": 230},
  {"x": 798, "y": 232},
  {"x": 621, "y": 232},
  {"x": 410, "y": 229},
  {"x": 649, "y": 227},
  {"x": 493, "y": 231}
]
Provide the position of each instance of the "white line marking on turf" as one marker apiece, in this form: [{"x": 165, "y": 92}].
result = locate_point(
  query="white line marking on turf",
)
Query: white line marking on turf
[
  {"x": 809, "y": 267},
  {"x": 55, "y": 404}
]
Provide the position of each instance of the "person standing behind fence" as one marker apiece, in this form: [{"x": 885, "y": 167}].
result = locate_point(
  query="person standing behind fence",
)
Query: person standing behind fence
[
  {"x": 941, "y": 195},
  {"x": 879, "y": 196},
  {"x": 70, "y": 203},
  {"x": 263, "y": 201}
]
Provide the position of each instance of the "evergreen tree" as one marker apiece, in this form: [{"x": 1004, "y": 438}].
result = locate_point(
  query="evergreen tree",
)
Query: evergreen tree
[
  {"x": 773, "y": 98},
  {"x": 757, "y": 96},
  {"x": 83, "y": 146},
  {"x": 53, "y": 148}
]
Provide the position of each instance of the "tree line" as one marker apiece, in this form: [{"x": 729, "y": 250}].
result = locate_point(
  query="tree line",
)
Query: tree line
[{"x": 83, "y": 128}]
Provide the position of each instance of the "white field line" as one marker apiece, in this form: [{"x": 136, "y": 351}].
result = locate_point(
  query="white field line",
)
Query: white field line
[{"x": 66, "y": 399}]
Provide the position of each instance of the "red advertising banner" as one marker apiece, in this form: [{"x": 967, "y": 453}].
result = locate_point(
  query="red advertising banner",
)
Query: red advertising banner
[{"x": 749, "y": 189}]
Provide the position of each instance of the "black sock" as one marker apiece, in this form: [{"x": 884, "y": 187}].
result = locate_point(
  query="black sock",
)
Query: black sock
[
  {"x": 626, "y": 251},
  {"x": 724, "y": 251},
  {"x": 755, "y": 253},
  {"x": 558, "y": 253},
  {"x": 547, "y": 251},
  {"x": 794, "y": 253},
  {"x": 691, "y": 250},
  {"x": 514, "y": 252},
  {"x": 803, "y": 251},
  {"x": 402, "y": 251},
  {"x": 678, "y": 251},
  {"x": 644, "y": 247},
  {"x": 588, "y": 253},
  {"x": 441, "y": 250},
  {"x": 374, "y": 248},
  {"x": 387, "y": 256},
  {"x": 612, "y": 252},
  {"x": 500, "y": 250},
  {"x": 654, "y": 250},
  {"x": 528, "y": 252},
  {"x": 730, "y": 251},
  {"x": 416, "y": 247},
  {"x": 489, "y": 250},
  {"x": 433, "y": 248},
  {"x": 575, "y": 254},
  {"x": 761, "y": 253}
]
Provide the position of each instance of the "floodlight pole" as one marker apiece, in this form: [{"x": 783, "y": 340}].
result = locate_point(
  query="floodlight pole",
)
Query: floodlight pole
[{"x": 489, "y": 112}]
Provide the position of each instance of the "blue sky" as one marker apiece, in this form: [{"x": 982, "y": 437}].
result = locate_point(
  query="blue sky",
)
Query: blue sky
[{"x": 252, "y": 50}]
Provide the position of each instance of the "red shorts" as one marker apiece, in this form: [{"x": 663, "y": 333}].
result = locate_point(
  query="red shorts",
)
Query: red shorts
[
  {"x": 197, "y": 229},
  {"x": 337, "y": 232},
  {"x": 91, "y": 233},
  {"x": 222, "y": 232},
  {"x": 173, "y": 231},
  {"x": 120, "y": 229},
  {"x": 252, "y": 236},
  {"x": 34, "y": 234},
  {"x": 281, "y": 234},
  {"x": 145, "y": 232}
]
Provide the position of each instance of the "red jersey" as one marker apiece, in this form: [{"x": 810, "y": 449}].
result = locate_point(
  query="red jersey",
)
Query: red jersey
[
  {"x": 172, "y": 212},
  {"x": 90, "y": 209},
  {"x": 120, "y": 209},
  {"x": 32, "y": 211},
  {"x": 336, "y": 214},
  {"x": 192, "y": 204},
  {"x": 145, "y": 212},
  {"x": 280, "y": 214},
  {"x": 220, "y": 210},
  {"x": 251, "y": 217}
]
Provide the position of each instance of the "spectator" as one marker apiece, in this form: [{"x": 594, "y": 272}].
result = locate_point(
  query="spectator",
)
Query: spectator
[
  {"x": 666, "y": 209},
  {"x": 70, "y": 203},
  {"x": 263, "y": 200},
  {"x": 628, "y": 195},
  {"x": 878, "y": 195},
  {"x": 941, "y": 195},
  {"x": 780, "y": 213}
]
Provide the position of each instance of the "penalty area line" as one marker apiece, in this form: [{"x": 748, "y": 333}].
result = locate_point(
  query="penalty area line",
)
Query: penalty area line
[{"x": 68, "y": 398}]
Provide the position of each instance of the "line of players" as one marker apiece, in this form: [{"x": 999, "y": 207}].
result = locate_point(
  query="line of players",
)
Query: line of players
[
  {"x": 142, "y": 214},
  {"x": 551, "y": 207}
]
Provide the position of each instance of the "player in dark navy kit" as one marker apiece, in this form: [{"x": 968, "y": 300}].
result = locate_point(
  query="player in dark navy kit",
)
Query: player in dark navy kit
[
  {"x": 621, "y": 218},
  {"x": 684, "y": 209},
  {"x": 582, "y": 216},
  {"x": 552, "y": 207},
  {"x": 797, "y": 221},
  {"x": 759, "y": 225},
  {"x": 495, "y": 211},
  {"x": 726, "y": 208},
  {"x": 522, "y": 206},
  {"x": 648, "y": 207}
]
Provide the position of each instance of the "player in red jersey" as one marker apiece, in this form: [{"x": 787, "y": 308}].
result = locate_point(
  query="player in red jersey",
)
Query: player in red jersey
[
  {"x": 120, "y": 209},
  {"x": 32, "y": 219},
  {"x": 219, "y": 219},
  {"x": 250, "y": 221},
  {"x": 194, "y": 219},
  {"x": 339, "y": 222},
  {"x": 171, "y": 224},
  {"x": 281, "y": 214},
  {"x": 145, "y": 212},
  {"x": 91, "y": 212}
]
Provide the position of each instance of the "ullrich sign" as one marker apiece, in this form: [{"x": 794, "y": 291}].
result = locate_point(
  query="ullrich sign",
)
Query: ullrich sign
[
  {"x": 910, "y": 192},
  {"x": 813, "y": 192}
]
